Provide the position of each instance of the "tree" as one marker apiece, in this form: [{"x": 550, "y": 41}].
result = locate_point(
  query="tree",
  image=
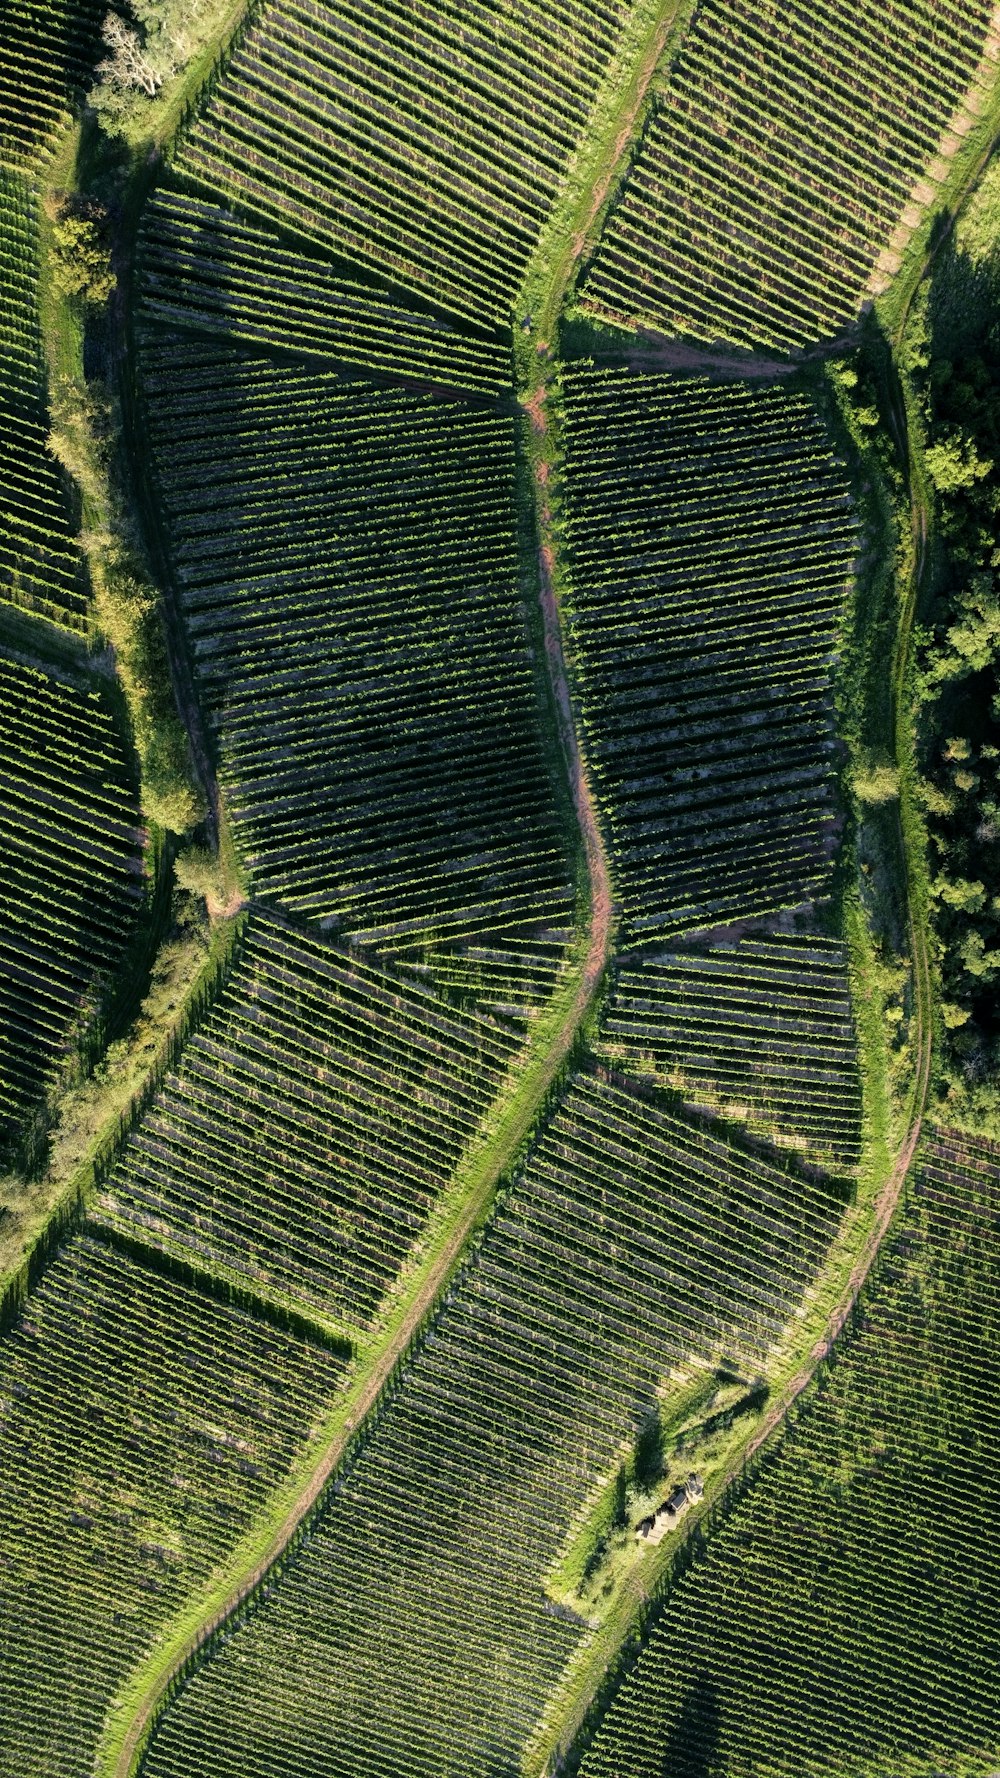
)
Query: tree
[
  {"x": 81, "y": 258},
  {"x": 955, "y": 463},
  {"x": 127, "y": 64}
]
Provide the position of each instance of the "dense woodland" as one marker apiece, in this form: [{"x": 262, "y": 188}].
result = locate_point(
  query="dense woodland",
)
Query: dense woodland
[{"x": 954, "y": 355}]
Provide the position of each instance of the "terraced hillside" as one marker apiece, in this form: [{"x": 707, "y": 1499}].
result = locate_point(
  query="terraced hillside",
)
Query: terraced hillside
[
  {"x": 40, "y": 568},
  {"x": 71, "y": 870},
  {"x": 347, "y": 561},
  {"x": 415, "y": 1633},
  {"x": 710, "y": 543},
  {"x": 315, "y": 1117},
  {"x": 789, "y": 154},
  {"x": 844, "y": 1618},
  {"x": 144, "y": 1427}
]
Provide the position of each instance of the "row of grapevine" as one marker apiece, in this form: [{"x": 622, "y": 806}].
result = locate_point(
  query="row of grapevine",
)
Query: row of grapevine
[
  {"x": 782, "y": 153},
  {"x": 71, "y": 869},
  {"x": 413, "y": 1633},
  {"x": 846, "y": 1618},
  {"x": 346, "y": 558},
  {"x": 205, "y": 268},
  {"x": 710, "y": 540},
  {"x": 40, "y": 567},
  {"x": 50, "y": 48},
  {"x": 425, "y": 143},
  {"x": 759, "y": 1028},
  {"x": 315, "y": 1116},
  {"x": 143, "y": 1428}
]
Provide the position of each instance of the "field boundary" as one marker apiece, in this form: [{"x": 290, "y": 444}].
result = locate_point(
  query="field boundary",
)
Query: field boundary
[{"x": 558, "y": 1746}]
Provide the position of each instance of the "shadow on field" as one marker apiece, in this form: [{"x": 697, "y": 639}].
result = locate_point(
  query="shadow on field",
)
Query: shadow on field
[{"x": 693, "y": 1746}]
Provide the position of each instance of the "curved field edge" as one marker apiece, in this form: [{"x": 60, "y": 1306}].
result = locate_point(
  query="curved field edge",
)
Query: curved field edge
[
  {"x": 500, "y": 1144},
  {"x": 564, "y": 1734}
]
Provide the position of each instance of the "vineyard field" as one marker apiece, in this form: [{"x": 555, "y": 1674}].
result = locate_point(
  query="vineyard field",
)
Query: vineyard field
[
  {"x": 425, "y": 144},
  {"x": 710, "y": 547},
  {"x": 208, "y": 269},
  {"x": 845, "y": 1619},
  {"x": 40, "y": 567},
  {"x": 499, "y": 831},
  {"x": 315, "y": 1116},
  {"x": 143, "y": 1429},
  {"x": 72, "y": 873},
  {"x": 760, "y": 1029},
  {"x": 787, "y": 157},
  {"x": 346, "y": 560},
  {"x": 49, "y": 51},
  {"x": 413, "y": 1632}
]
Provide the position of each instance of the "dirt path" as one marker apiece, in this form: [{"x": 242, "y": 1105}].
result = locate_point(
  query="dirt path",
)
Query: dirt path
[{"x": 503, "y": 1147}]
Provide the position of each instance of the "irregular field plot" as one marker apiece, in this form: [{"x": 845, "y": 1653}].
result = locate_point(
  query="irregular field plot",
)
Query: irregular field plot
[
  {"x": 781, "y": 154},
  {"x": 39, "y": 558},
  {"x": 71, "y": 869},
  {"x": 845, "y": 1620},
  {"x": 205, "y": 268},
  {"x": 710, "y": 540},
  {"x": 142, "y": 1428},
  {"x": 315, "y": 1116},
  {"x": 347, "y": 564},
  {"x": 758, "y": 1027},
  {"x": 414, "y": 1634},
  {"x": 426, "y": 142}
]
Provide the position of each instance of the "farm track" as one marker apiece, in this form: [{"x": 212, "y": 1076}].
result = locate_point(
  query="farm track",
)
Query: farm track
[
  {"x": 503, "y": 1147},
  {"x": 367, "y": 1393}
]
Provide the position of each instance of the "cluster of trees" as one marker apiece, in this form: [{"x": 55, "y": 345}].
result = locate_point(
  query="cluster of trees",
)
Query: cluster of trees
[
  {"x": 126, "y": 605},
  {"x": 957, "y": 372},
  {"x": 153, "y": 41}
]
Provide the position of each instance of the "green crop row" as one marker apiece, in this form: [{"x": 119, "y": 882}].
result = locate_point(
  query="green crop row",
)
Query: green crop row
[
  {"x": 49, "y": 51},
  {"x": 759, "y": 1028},
  {"x": 40, "y": 566},
  {"x": 413, "y": 1631},
  {"x": 347, "y": 566},
  {"x": 424, "y": 144},
  {"x": 204, "y": 267},
  {"x": 313, "y": 1119},
  {"x": 144, "y": 1427},
  {"x": 71, "y": 870}
]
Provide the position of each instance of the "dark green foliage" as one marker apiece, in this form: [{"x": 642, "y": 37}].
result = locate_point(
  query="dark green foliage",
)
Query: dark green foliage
[{"x": 954, "y": 350}]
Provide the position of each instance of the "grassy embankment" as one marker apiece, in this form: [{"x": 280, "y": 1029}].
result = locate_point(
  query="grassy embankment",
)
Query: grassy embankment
[{"x": 127, "y": 1037}]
